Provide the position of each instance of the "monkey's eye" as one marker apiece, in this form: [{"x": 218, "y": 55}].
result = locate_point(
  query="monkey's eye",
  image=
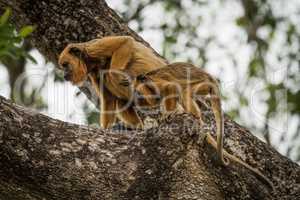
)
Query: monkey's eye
[
  {"x": 142, "y": 78},
  {"x": 75, "y": 52},
  {"x": 65, "y": 65}
]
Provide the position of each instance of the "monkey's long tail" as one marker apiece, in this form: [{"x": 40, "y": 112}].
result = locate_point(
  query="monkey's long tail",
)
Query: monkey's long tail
[
  {"x": 219, "y": 118},
  {"x": 212, "y": 141}
]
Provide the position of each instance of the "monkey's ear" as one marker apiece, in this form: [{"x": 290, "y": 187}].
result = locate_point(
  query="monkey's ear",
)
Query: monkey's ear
[
  {"x": 75, "y": 52},
  {"x": 81, "y": 54}
]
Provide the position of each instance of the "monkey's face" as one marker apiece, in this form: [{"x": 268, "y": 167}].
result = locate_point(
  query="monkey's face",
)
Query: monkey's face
[
  {"x": 75, "y": 69},
  {"x": 140, "y": 85},
  {"x": 146, "y": 91},
  {"x": 139, "y": 81}
]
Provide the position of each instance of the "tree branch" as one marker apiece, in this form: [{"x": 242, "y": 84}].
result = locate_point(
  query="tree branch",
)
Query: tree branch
[{"x": 45, "y": 158}]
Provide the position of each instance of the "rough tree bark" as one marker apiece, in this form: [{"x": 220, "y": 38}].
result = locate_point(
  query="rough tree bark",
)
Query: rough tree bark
[{"x": 43, "y": 158}]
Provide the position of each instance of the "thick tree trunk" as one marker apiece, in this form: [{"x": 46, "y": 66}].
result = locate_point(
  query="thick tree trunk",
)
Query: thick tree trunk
[{"x": 42, "y": 158}]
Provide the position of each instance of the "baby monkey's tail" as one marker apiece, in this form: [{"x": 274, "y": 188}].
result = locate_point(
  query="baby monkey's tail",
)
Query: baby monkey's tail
[
  {"x": 219, "y": 118},
  {"x": 212, "y": 141}
]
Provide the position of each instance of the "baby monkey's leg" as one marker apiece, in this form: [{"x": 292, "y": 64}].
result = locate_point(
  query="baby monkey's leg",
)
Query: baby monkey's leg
[
  {"x": 189, "y": 104},
  {"x": 170, "y": 98}
]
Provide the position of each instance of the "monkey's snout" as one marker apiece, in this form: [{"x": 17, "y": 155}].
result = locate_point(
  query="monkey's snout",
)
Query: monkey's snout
[
  {"x": 67, "y": 75},
  {"x": 67, "y": 71}
]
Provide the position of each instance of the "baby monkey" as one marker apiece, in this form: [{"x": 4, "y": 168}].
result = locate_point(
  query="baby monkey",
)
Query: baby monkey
[{"x": 182, "y": 83}]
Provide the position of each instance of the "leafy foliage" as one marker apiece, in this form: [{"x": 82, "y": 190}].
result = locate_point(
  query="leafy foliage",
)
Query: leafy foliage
[
  {"x": 264, "y": 24},
  {"x": 10, "y": 39},
  {"x": 14, "y": 52}
]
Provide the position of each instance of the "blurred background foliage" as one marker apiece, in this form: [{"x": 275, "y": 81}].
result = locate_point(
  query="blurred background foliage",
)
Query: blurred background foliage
[
  {"x": 14, "y": 51},
  {"x": 251, "y": 46}
]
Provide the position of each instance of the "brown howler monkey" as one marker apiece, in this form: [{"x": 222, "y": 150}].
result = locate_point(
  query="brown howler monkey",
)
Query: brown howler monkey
[
  {"x": 182, "y": 83},
  {"x": 81, "y": 60}
]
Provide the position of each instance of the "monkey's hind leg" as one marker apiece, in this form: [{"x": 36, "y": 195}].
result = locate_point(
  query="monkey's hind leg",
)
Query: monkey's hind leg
[
  {"x": 170, "y": 99},
  {"x": 190, "y": 105}
]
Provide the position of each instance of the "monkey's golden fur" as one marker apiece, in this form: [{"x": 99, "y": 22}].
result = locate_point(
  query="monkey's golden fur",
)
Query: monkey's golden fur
[
  {"x": 81, "y": 61},
  {"x": 181, "y": 83}
]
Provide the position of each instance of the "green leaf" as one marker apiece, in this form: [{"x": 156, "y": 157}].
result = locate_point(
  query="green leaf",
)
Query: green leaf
[
  {"x": 243, "y": 101},
  {"x": 4, "y": 18},
  {"x": 254, "y": 66},
  {"x": 93, "y": 117},
  {"x": 171, "y": 39},
  {"x": 242, "y": 21},
  {"x": 291, "y": 31},
  {"x": 233, "y": 113},
  {"x": 58, "y": 77},
  {"x": 26, "y": 30}
]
